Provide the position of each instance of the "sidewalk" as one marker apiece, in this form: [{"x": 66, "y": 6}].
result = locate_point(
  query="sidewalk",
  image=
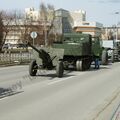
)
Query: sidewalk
[
  {"x": 109, "y": 110},
  {"x": 112, "y": 110}
]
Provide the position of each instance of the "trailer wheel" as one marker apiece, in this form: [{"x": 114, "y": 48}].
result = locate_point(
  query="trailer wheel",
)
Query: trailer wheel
[
  {"x": 104, "y": 58},
  {"x": 33, "y": 68},
  {"x": 59, "y": 69}
]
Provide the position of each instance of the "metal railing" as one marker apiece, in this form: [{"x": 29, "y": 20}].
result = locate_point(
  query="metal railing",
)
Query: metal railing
[{"x": 15, "y": 58}]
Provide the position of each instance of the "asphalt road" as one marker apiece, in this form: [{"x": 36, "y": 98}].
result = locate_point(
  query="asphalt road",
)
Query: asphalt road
[{"x": 45, "y": 97}]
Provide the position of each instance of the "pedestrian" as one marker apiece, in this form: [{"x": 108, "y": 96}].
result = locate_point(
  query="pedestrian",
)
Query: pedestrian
[{"x": 97, "y": 63}]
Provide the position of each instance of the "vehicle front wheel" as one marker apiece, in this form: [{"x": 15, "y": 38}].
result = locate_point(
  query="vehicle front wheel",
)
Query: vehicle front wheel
[
  {"x": 80, "y": 66},
  {"x": 33, "y": 68}
]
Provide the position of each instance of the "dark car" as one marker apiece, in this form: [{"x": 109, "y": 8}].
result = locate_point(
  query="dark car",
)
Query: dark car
[
  {"x": 7, "y": 46},
  {"x": 21, "y": 46}
]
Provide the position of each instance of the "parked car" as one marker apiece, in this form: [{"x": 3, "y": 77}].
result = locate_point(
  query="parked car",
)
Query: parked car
[
  {"x": 7, "y": 46},
  {"x": 21, "y": 45}
]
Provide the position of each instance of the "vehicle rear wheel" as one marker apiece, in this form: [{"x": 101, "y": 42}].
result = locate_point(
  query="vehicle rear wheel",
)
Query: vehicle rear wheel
[
  {"x": 33, "y": 68},
  {"x": 59, "y": 69},
  {"x": 87, "y": 63},
  {"x": 80, "y": 66}
]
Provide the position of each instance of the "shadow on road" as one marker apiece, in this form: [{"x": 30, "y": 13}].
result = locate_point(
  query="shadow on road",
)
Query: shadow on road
[
  {"x": 5, "y": 92},
  {"x": 51, "y": 76}
]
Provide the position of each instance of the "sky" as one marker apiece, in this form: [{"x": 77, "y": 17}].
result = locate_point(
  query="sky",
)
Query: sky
[{"x": 102, "y": 11}]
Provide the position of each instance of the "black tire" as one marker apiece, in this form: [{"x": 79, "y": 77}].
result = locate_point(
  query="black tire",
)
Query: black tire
[
  {"x": 87, "y": 63},
  {"x": 66, "y": 66},
  {"x": 33, "y": 68},
  {"x": 104, "y": 57},
  {"x": 59, "y": 69},
  {"x": 80, "y": 66}
]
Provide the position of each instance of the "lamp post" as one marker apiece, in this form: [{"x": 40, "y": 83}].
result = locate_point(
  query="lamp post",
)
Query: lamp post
[{"x": 116, "y": 27}]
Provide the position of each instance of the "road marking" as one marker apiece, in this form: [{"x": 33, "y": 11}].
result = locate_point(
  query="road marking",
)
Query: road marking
[
  {"x": 60, "y": 80},
  {"x": 63, "y": 79}
]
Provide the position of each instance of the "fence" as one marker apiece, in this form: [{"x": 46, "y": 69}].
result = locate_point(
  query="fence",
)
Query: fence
[{"x": 15, "y": 58}]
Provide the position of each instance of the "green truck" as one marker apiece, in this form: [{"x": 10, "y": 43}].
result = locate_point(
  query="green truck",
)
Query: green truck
[
  {"x": 77, "y": 50},
  {"x": 80, "y": 50}
]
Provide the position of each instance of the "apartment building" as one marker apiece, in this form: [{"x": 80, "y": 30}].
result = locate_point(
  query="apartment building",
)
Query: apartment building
[
  {"x": 78, "y": 16},
  {"x": 31, "y": 14},
  {"x": 62, "y": 22},
  {"x": 77, "y": 20},
  {"x": 19, "y": 33},
  {"x": 93, "y": 28}
]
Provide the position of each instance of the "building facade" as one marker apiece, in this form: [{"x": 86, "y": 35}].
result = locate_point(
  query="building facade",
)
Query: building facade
[
  {"x": 62, "y": 22},
  {"x": 109, "y": 33},
  {"x": 78, "y": 16},
  {"x": 93, "y": 28},
  {"x": 19, "y": 33},
  {"x": 31, "y": 14}
]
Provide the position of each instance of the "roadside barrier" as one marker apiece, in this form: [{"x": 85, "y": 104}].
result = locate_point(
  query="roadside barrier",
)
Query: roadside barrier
[{"x": 15, "y": 58}]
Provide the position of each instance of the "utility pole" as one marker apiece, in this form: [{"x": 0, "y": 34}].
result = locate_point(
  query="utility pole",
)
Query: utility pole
[{"x": 116, "y": 26}]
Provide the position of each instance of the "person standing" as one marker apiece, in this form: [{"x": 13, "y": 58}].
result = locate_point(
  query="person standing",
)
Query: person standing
[{"x": 97, "y": 62}]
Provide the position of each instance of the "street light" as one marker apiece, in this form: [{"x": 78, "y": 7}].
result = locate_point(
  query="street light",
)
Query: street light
[{"x": 116, "y": 27}]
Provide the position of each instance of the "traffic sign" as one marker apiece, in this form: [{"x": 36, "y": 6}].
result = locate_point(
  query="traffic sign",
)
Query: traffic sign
[{"x": 33, "y": 35}]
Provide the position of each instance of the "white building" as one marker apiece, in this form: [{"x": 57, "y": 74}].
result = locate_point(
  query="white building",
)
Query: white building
[
  {"x": 93, "y": 28},
  {"x": 32, "y": 14},
  {"x": 78, "y": 16},
  {"x": 80, "y": 24}
]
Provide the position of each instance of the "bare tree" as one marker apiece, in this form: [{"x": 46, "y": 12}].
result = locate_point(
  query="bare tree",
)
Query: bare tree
[
  {"x": 7, "y": 20},
  {"x": 25, "y": 26},
  {"x": 22, "y": 26},
  {"x": 43, "y": 15},
  {"x": 47, "y": 16},
  {"x": 110, "y": 35},
  {"x": 51, "y": 17},
  {"x": 1, "y": 30}
]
